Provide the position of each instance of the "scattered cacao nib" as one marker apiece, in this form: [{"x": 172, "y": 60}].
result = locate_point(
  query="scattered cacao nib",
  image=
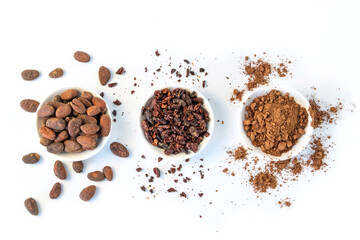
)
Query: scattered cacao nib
[
  {"x": 171, "y": 190},
  {"x": 187, "y": 160},
  {"x": 192, "y": 73},
  {"x": 203, "y": 84},
  {"x": 151, "y": 190},
  {"x": 160, "y": 159},
  {"x": 120, "y": 71},
  {"x": 158, "y": 70},
  {"x": 206, "y": 74},
  {"x": 151, "y": 179},
  {"x": 157, "y": 53},
  {"x": 179, "y": 168},
  {"x": 143, "y": 156},
  {"x": 110, "y": 85},
  {"x": 146, "y": 69},
  {"x": 114, "y": 120},
  {"x": 102, "y": 94},
  {"x": 117, "y": 102},
  {"x": 114, "y": 113},
  {"x": 201, "y": 194},
  {"x": 172, "y": 170},
  {"x": 201, "y": 70},
  {"x": 132, "y": 92},
  {"x": 201, "y": 174},
  {"x": 173, "y": 70},
  {"x": 157, "y": 172},
  {"x": 186, "y": 61},
  {"x": 143, "y": 188},
  {"x": 187, "y": 72},
  {"x": 183, "y": 194},
  {"x": 139, "y": 169}
]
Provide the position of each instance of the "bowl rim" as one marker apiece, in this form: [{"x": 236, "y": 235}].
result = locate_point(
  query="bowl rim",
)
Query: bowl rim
[
  {"x": 87, "y": 153},
  {"x": 179, "y": 156},
  {"x": 299, "y": 98}
]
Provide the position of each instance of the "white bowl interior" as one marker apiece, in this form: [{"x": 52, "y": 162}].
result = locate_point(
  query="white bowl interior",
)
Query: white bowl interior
[
  {"x": 179, "y": 156},
  {"x": 302, "y": 141},
  {"x": 87, "y": 153}
]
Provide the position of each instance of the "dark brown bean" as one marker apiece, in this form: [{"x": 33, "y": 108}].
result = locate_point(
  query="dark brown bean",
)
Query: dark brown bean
[
  {"x": 69, "y": 94},
  {"x": 62, "y": 136},
  {"x": 82, "y": 56},
  {"x": 31, "y": 158},
  {"x": 77, "y": 106},
  {"x": 29, "y": 105},
  {"x": 105, "y": 125},
  {"x": 87, "y": 142},
  {"x": 89, "y": 129},
  {"x": 78, "y": 166},
  {"x": 72, "y": 146},
  {"x": 56, "y": 124},
  {"x": 31, "y": 206},
  {"x": 119, "y": 150},
  {"x": 96, "y": 176},
  {"x": 55, "y": 148},
  {"x": 93, "y": 110},
  {"x": 104, "y": 75},
  {"x": 74, "y": 127},
  {"x": 99, "y": 102},
  {"x": 87, "y": 193},
  {"x": 56, "y": 73},
  {"x": 60, "y": 170},
  {"x": 55, "y": 191},
  {"x": 87, "y": 95},
  {"x": 63, "y": 111},
  {"x": 47, "y": 133},
  {"x": 30, "y": 74},
  {"x": 108, "y": 173}
]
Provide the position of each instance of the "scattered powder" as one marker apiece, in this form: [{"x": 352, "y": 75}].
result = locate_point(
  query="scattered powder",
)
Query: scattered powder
[
  {"x": 237, "y": 95},
  {"x": 240, "y": 153}
]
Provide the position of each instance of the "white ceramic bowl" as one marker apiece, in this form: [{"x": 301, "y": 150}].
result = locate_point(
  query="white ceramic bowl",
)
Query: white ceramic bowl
[
  {"x": 302, "y": 141},
  {"x": 87, "y": 153},
  {"x": 179, "y": 156}
]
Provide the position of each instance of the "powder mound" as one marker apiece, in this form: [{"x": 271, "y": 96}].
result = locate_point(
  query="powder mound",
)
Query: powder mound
[
  {"x": 240, "y": 153},
  {"x": 275, "y": 122},
  {"x": 263, "y": 180},
  {"x": 237, "y": 95}
]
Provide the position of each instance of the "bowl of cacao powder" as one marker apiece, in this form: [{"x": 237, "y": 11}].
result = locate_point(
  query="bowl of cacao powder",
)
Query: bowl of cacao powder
[
  {"x": 275, "y": 123},
  {"x": 176, "y": 123},
  {"x": 73, "y": 123}
]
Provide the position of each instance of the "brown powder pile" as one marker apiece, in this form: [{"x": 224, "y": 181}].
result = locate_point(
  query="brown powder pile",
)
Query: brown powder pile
[
  {"x": 263, "y": 180},
  {"x": 260, "y": 70},
  {"x": 318, "y": 116},
  {"x": 258, "y": 73},
  {"x": 237, "y": 95},
  {"x": 275, "y": 122},
  {"x": 316, "y": 159},
  {"x": 240, "y": 153}
]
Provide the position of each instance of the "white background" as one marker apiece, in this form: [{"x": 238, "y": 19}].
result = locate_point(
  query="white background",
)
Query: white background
[{"x": 321, "y": 37}]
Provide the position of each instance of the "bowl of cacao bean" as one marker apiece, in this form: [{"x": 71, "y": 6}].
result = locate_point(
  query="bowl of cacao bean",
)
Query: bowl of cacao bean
[
  {"x": 73, "y": 123},
  {"x": 275, "y": 122},
  {"x": 176, "y": 123}
]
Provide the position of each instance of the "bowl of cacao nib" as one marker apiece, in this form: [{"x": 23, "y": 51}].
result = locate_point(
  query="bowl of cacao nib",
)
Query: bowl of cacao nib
[
  {"x": 275, "y": 122},
  {"x": 73, "y": 123},
  {"x": 176, "y": 123}
]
